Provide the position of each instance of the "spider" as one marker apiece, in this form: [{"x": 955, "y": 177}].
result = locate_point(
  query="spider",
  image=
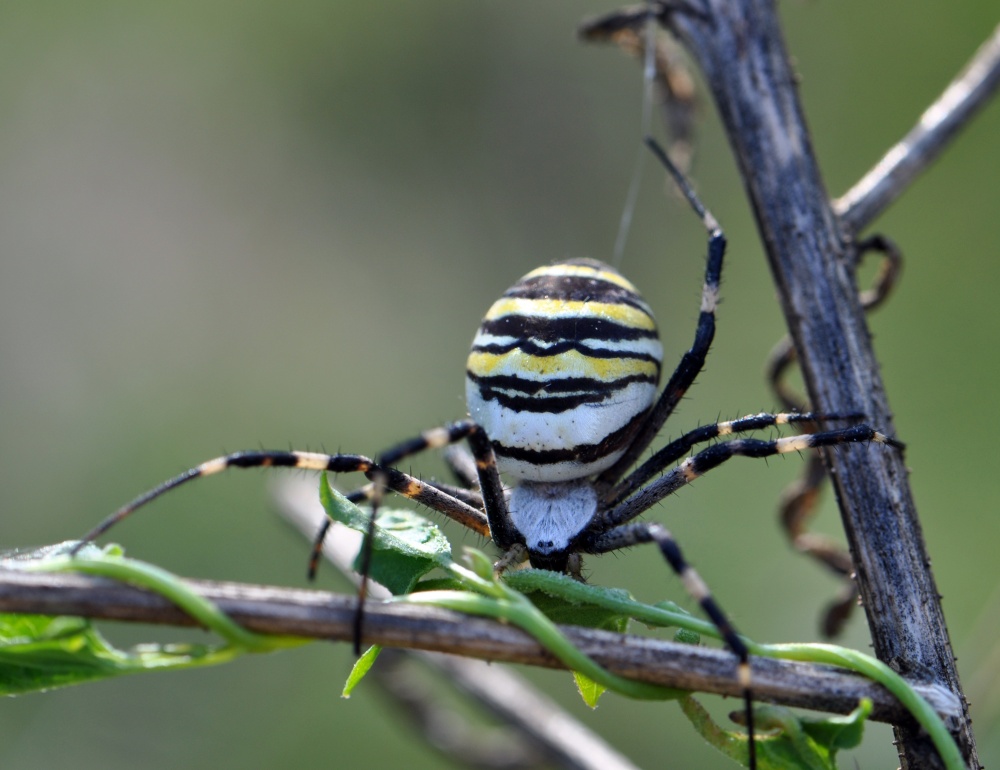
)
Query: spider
[{"x": 562, "y": 391}]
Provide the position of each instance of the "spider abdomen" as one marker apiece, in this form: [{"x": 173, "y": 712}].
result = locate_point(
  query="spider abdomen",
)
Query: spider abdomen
[{"x": 562, "y": 371}]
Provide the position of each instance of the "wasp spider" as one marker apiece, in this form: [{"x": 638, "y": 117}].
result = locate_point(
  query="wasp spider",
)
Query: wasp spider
[{"x": 562, "y": 391}]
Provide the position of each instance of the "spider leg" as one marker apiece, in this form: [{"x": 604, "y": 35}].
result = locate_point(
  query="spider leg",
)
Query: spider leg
[
  {"x": 383, "y": 477},
  {"x": 363, "y": 495},
  {"x": 495, "y": 523},
  {"x": 702, "y": 462},
  {"x": 395, "y": 480},
  {"x": 676, "y": 449},
  {"x": 433, "y": 438},
  {"x": 502, "y": 530},
  {"x": 693, "y": 360},
  {"x": 628, "y": 535},
  {"x": 462, "y": 465},
  {"x": 380, "y": 479}
]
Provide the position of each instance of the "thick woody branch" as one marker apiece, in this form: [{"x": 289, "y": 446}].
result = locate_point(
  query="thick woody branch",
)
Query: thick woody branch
[
  {"x": 739, "y": 47},
  {"x": 322, "y": 615}
]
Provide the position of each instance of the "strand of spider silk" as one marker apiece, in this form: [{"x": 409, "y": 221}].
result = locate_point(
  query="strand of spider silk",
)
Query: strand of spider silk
[
  {"x": 496, "y": 600},
  {"x": 876, "y": 670},
  {"x": 573, "y": 591},
  {"x": 175, "y": 590},
  {"x": 648, "y": 75}
]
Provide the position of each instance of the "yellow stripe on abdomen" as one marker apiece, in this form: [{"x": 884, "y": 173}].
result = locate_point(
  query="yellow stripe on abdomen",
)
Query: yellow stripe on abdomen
[{"x": 571, "y": 363}]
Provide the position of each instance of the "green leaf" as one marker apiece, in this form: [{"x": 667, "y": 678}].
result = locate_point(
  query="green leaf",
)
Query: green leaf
[
  {"x": 42, "y": 653},
  {"x": 684, "y": 636},
  {"x": 559, "y": 610},
  {"x": 732, "y": 744},
  {"x": 39, "y": 652},
  {"x": 361, "y": 667},
  {"x": 494, "y": 598},
  {"x": 785, "y": 740},
  {"x": 566, "y": 600},
  {"x": 407, "y": 546},
  {"x": 839, "y": 732},
  {"x": 589, "y": 690},
  {"x": 876, "y": 670},
  {"x": 171, "y": 587},
  {"x": 479, "y": 563}
]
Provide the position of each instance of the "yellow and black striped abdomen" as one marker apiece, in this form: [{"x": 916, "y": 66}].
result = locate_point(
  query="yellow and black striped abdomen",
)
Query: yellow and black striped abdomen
[{"x": 563, "y": 369}]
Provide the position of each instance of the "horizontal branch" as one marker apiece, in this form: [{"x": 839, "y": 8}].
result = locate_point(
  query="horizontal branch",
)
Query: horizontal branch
[{"x": 323, "y": 615}]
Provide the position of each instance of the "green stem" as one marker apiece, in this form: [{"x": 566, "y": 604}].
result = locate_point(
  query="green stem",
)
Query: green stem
[
  {"x": 874, "y": 669},
  {"x": 877, "y": 671},
  {"x": 525, "y": 616},
  {"x": 176, "y": 591}
]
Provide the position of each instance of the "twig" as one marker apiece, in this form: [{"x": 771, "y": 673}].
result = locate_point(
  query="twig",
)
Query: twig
[
  {"x": 323, "y": 615},
  {"x": 739, "y": 46},
  {"x": 938, "y": 125}
]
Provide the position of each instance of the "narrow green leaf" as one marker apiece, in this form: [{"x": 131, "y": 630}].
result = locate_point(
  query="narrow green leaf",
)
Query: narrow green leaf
[
  {"x": 733, "y": 745},
  {"x": 361, "y": 667},
  {"x": 171, "y": 587},
  {"x": 494, "y": 598},
  {"x": 839, "y": 732},
  {"x": 879, "y": 672},
  {"x": 589, "y": 690},
  {"x": 558, "y": 610},
  {"x": 40, "y": 653},
  {"x": 479, "y": 563}
]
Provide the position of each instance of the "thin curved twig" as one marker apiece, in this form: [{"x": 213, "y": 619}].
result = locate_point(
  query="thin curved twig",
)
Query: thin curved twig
[{"x": 958, "y": 104}]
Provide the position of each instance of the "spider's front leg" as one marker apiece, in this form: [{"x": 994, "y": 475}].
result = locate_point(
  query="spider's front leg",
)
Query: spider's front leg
[
  {"x": 679, "y": 447},
  {"x": 693, "y": 361}
]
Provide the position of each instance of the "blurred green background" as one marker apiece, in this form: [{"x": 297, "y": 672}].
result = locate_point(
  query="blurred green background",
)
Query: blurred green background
[{"x": 226, "y": 225}]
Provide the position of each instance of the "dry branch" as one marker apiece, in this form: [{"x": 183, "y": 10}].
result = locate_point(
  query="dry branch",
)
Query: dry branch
[
  {"x": 739, "y": 47},
  {"x": 324, "y": 615}
]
